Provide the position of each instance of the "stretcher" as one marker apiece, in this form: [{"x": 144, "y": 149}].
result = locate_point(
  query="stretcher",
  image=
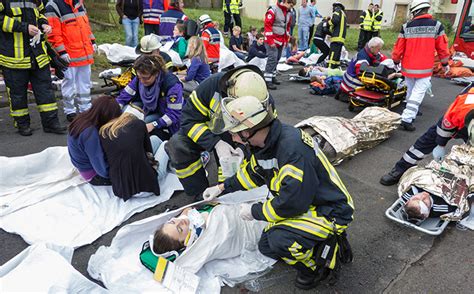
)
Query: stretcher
[{"x": 378, "y": 90}]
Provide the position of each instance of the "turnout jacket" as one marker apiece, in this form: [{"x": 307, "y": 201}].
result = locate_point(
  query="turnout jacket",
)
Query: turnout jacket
[
  {"x": 277, "y": 25},
  {"x": 338, "y": 25},
  {"x": 15, "y": 49},
  {"x": 421, "y": 34},
  {"x": 452, "y": 123},
  {"x": 71, "y": 31},
  {"x": 305, "y": 186}
]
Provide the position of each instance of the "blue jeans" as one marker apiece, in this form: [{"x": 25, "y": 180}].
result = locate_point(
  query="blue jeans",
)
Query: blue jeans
[
  {"x": 303, "y": 34},
  {"x": 161, "y": 156},
  {"x": 240, "y": 55},
  {"x": 131, "y": 31}
]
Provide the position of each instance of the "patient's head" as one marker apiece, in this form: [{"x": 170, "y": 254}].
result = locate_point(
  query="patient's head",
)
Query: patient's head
[
  {"x": 305, "y": 71},
  {"x": 171, "y": 236},
  {"x": 418, "y": 206}
]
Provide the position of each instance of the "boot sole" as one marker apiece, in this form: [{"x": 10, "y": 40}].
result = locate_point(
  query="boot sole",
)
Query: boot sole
[{"x": 59, "y": 132}]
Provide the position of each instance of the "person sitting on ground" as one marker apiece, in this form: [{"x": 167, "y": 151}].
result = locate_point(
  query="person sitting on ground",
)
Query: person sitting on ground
[
  {"x": 158, "y": 92},
  {"x": 236, "y": 43},
  {"x": 292, "y": 47},
  {"x": 257, "y": 48},
  {"x": 180, "y": 44},
  {"x": 132, "y": 166},
  {"x": 251, "y": 36},
  {"x": 420, "y": 206},
  {"x": 83, "y": 141},
  {"x": 199, "y": 69},
  {"x": 318, "y": 71}
]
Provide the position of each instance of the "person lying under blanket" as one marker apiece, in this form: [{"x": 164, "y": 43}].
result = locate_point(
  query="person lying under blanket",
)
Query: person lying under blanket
[
  {"x": 315, "y": 72},
  {"x": 195, "y": 237}
]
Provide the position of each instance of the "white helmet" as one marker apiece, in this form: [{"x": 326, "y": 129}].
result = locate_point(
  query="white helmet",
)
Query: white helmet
[
  {"x": 148, "y": 44},
  {"x": 203, "y": 19},
  {"x": 419, "y": 4},
  {"x": 245, "y": 113},
  {"x": 242, "y": 81}
]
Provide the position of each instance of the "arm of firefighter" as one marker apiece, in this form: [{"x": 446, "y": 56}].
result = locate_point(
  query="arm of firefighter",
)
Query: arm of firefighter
[
  {"x": 446, "y": 128},
  {"x": 174, "y": 106},
  {"x": 245, "y": 179},
  {"x": 10, "y": 25},
  {"x": 361, "y": 18},
  {"x": 399, "y": 47},
  {"x": 55, "y": 38},
  {"x": 41, "y": 16},
  {"x": 295, "y": 192},
  {"x": 335, "y": 19},
  {"x": 268, "y": 25},
  {"x": 194, "y": 120},
  {"x": 127, "y": 94},
  {"x": 441, "y": 45}
]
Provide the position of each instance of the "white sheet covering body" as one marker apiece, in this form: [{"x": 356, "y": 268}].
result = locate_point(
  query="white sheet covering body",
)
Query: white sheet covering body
[
  {"x": 46, "y": 200},
  {"x": 117, "y": 53},
  {"x": 44, "y": 268},
  {"x": 118, "y": 265}
]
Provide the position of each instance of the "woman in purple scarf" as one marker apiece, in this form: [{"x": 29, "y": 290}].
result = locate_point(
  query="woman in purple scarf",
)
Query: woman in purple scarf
[{"x": 158, "y": 92}]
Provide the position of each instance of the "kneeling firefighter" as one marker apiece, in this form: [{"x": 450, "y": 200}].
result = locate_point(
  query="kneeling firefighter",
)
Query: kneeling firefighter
[
  {"x": 310, "y": 208},
  {"x": 202, "y": 124}
]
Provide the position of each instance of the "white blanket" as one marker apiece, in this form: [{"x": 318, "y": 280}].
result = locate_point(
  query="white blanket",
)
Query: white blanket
[
  {"x": 262, "y": 62},
  {"x": 43, "y": 199},
  {"x": 117, "y": 53},
  {"x": 44, "y": 268},
  {"x": 119, "y": 267}
]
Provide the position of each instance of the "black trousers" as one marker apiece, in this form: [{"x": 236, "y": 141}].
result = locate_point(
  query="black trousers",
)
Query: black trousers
[
  {"x": 335, "y": 54},
  {"x": 364, "y": 37},
  {"x": 323, "y": 47},
  {"x": 16, "y": 81},
  {"x": 151, "y": 29},
  {"x": 311, "y": 31},
  {"x": 228, "y": 21}
]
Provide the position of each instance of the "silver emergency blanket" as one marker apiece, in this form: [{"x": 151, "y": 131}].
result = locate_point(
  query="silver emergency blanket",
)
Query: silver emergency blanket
[
  {"x": 452, "y": 179},
  {"x": 340, "y": 138}
]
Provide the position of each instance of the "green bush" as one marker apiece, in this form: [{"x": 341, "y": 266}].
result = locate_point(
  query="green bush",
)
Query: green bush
[{"x": 448, "y": 26}]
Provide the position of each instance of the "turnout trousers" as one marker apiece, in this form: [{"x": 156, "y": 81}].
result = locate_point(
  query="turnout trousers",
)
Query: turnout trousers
[
  {"x": 364, "y": 37},
  {"x": 76, "y": 89},
  {"x": 335, "y": 54},
  {"x": 228, "y": 26},
  {"x": 416, "y": 89},
  {"x": 274, "y": 55},
  {"x": 16, "y": 81}
]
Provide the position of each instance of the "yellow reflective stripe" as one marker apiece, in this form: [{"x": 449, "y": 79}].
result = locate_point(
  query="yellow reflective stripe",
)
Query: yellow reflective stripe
[
  {"x": 220, "y": 176},
  {"x": 269, "y": 212},
  {"x": 214, "y": 104},
  {"x": 42, "y": 60},
  {"x": 253, "y": 163},
  {"x": 305, "y": 258},
  {"x": 292, "y": 171},
  {"x": 169, "y": 64},
  {"x": 7, "y": 24},
  {"x": 190, "y": 170},
  {"x": 305, "y": 226},
  {"x": 244, "y": 178},
  {"x": 18, "y": 112},
  {"x": 289, "y": 261},
  {"x": 333, "y": 259},
  {"x": 47, "y": 107},
  {"x": 197, "y": 103},
  {"x": 196, "y": 131}
]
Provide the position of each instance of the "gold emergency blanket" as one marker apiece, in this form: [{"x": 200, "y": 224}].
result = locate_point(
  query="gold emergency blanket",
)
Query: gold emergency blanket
[
  {"x": 452, "y": 179},
  {"x": 340, "y": 137}
]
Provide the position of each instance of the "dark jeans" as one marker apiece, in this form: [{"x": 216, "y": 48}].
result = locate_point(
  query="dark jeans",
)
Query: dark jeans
[
  {"x": 152, "y": 29},
  {"x": 323, "y": 47}
]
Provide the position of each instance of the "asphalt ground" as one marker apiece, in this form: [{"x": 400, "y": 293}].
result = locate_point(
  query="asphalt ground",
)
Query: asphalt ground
[{"x": 387, "y": 257}]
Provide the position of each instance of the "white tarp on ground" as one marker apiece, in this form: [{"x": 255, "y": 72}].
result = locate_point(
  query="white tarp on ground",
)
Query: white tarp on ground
[
  {"x": 262, "y": 62},
  {"x": 119, "y": 267},
  {"x": 117, "y": 53},
  {"x": 43, "y": 199},
  {"x": 44, "y": 268}
]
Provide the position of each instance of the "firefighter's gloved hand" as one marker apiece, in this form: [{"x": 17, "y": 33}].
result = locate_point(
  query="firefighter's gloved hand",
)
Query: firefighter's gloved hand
[
  {"x": 211, "y": 193},
  {"x": 245, "y": 212},
  {"x": 439, "y": 152},
  {"x": 66, "y": 58},
  {"x": 224, "y": 149},
  {"x": 446, "y": 69},
  {"x": 36, "y": 39}
]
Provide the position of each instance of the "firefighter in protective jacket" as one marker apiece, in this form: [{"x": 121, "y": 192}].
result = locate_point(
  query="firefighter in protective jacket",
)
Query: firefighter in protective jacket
[
  {"x": 310, "y": 208},
  {"x": 24, "y": 59},
  {"x": 338, "y": 28}
]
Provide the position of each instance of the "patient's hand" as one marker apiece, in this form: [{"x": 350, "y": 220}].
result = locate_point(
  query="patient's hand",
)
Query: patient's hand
[{"x": 394, "y": 75}]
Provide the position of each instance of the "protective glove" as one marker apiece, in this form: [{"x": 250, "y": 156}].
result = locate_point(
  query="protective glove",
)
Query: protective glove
[
  {"x": 446, "y": 69},
  {"x": 224, "y": 149},
  {"x": 36, "y": 39},
  {"x": 245, "y": 212},
  {"x": 66, "y": 58},
  {"x": 94, "y": 47},
  {"x": 439, "y": 152},
  {"x": 211, "y": 193}
]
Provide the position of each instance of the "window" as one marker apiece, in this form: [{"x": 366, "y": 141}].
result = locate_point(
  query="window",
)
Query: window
[{"x": 467, "y": 29}]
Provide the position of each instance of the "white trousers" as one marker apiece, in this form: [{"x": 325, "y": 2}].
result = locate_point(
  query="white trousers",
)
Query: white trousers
[
  {"x": 76, "y": 89},
  {"x": 416, "y": 89}
]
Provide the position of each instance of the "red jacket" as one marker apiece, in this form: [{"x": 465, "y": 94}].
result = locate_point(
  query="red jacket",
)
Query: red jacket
[
  {"x": 277, "y": 25},
  {"x": 71, "y": 32},
  {"x": 416, "y": 45},
  {"x": 212, "y": 42}
]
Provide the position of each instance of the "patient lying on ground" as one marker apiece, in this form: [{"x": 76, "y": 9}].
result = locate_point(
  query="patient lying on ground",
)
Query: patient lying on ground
[{"x": 420, "y": 206}]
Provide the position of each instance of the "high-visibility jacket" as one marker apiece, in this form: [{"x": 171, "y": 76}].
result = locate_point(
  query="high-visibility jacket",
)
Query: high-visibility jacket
[
  {"x": 377, "y": 21},
  {"x": 169, "y": 19},
  {"x": 71, "y": 32},
  {"x": 424, "y": 35},
  {"x": 15, "y": 49},
  {"x": 453, "y": 120},
  {"x": 153, "y": 9},
  {"x": 212, "y": 42},
  {"x": 366, "y": 20},
  {"x": 338, "y": 26},
  {"x": 233, "y": 5},
  {"x": 309, "y": 197},
  {"x": 277, "y": 25}
]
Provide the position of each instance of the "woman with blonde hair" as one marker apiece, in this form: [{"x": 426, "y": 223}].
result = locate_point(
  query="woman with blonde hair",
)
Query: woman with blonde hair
[
  {"x": 127, "y": 145},
  {"x": 199, "y": 69}
]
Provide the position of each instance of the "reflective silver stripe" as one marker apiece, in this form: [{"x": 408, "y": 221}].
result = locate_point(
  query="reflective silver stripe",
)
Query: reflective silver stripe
[
  {"x": 23, "y": 5},
  {"x": 421, "y": 31},
  {"x": 60, "y": 48},
  {"x": 69, "y": 16},
  {"x": 175, "y": 106},
  {"x": 417, "y": 71},
  {"x": 167, "y": 120},
  {"x": 169, "y": 19},
  {"x": 130, "y": 90},
  {"x": 278, "y": 42},
  {"x": 412, "y": 108},
  {"x": 420, "y": 36},
  {"x": 351, "y": 82},
  {"x": 55, "y": 7},
  {"x": 82, "y": 58},
  {"x": 51, "y": 14},
  {"x": 444, "y": 133},
  {"x": 416, "y": 152},
  {"x": 408, "y": 159},
  {"x": 268, "y": 163},
  {"x": 84, "y": 95}
]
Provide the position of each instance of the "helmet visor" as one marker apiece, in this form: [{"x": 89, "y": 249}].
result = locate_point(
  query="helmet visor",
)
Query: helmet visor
[{"x": 235, "y": 124}]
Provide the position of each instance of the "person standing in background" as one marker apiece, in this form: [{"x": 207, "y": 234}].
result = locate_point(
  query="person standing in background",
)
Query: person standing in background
[
  {"x": 366, "y": 20},
  {"x": 231, "y": 10},
  {"x": 377, "y": 21},
  {"x": 338, "y": 29},
  {"x": 171, "y": 17},
  {"x": 316, "y": 14},
  {"x": 130, "y": 12},
  {"x": 305, "y": 20},
  {"x": 293, "y": 20},
  {"x": 152, "y": 11}
]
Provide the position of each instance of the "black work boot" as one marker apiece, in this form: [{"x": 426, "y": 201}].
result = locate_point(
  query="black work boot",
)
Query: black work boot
[
  {"x": 50, "y": 122},
  {"x": 23, "y": 125},
  {"x": 391, "y": 178},
  {"x": 407, "y": 126},
  {"x": 308, "y": 279},
  {"x": 271, "y": 86},
  {"x": 275, "y": 81},
  {"x": 25, "y": 130}
]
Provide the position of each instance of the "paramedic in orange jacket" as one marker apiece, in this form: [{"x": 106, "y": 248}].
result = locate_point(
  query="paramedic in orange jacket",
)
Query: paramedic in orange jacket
[
  {"x": 73, "y": 40},
  {"x": 415, "y": 49}
]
